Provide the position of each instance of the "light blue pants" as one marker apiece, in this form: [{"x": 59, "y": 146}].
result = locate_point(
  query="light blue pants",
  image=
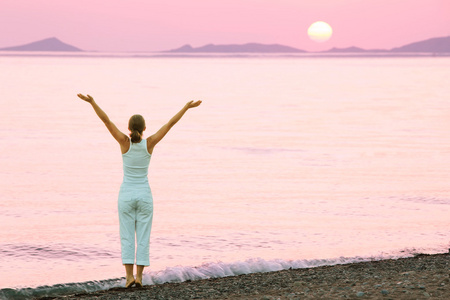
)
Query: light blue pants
[{"x": 135, "y": 219}]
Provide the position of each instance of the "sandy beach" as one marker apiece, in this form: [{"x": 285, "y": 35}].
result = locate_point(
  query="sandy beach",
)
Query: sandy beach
[{"x": 420, "y": 277}]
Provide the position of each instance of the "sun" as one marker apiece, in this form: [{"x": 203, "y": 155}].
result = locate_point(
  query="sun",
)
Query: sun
[{"x": 320, "y": 32}]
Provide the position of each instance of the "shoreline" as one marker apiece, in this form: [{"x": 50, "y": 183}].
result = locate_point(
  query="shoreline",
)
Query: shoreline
[{"x": 420, "y": 277}]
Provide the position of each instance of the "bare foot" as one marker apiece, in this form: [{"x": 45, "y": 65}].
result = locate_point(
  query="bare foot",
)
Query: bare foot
[
  {"x": 130, "y": 283},
  {"x": 138, "y": 282}
]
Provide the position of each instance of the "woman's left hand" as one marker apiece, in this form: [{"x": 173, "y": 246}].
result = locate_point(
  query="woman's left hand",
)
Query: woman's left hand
[{"x": 86, "y": 98}]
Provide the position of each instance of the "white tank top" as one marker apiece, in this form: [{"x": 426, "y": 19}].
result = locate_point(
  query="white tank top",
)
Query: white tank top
[{"x": 135, "y": 163}]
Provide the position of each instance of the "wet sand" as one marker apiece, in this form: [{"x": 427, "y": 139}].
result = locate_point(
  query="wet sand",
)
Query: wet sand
[{"x": 420, "y": 277}]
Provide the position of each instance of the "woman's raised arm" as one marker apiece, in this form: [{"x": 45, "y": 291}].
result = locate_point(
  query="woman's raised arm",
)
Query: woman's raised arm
[
  {"x": 155, "y": 138},
  {"x": 120, "y": 137}
]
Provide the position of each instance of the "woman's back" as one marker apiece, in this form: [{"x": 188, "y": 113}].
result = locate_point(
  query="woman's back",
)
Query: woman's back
[{"x": 135, "y": 163}]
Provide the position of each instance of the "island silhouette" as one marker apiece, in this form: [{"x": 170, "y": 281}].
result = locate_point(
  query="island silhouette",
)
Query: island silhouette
[
  {"x": 50, "y": 44},
  {"x": 439, "y": 45}
]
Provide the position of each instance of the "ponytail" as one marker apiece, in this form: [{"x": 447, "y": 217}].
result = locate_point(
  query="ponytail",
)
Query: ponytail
[
  {"x": 136, "y": 125},
  {"x": 135, "y": 136}
]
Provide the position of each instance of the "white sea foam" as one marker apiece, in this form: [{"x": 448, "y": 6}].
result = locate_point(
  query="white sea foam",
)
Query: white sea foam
[
  {"x": 253, "y": 265},
  {"x": 259, "y": 265}
]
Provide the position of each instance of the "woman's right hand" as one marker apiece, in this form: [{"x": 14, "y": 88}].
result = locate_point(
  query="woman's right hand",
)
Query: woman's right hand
[
  {"x": 86, "y": 98},
  {"x": 192, "y": 104}
]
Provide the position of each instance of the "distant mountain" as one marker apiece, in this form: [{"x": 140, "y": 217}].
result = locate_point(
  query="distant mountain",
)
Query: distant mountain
[
  {"x": 346, "y": 50},
  {"x": 234, "y": 48},
  {"x": 50, "y": 44},
  {"x": 434, "y": 45},
  {"x": 353, "y": 50}
]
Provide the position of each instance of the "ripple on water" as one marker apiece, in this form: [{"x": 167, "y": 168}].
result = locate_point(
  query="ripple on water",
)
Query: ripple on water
[{"x": 55, "y": 251}]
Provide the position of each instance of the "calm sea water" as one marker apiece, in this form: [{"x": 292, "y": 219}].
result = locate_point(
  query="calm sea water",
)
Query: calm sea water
[{"x": 289, "y": 162}]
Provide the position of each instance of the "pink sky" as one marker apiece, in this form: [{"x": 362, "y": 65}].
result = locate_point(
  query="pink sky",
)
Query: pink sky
[{"x": 146, "y": 25}]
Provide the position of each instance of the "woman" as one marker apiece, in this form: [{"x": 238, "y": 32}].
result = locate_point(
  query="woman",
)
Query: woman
[{"x": 135, "y": 197}]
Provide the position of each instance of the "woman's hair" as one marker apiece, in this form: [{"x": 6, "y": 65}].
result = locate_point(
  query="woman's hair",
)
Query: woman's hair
[{"x": 136, "y": 125}]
